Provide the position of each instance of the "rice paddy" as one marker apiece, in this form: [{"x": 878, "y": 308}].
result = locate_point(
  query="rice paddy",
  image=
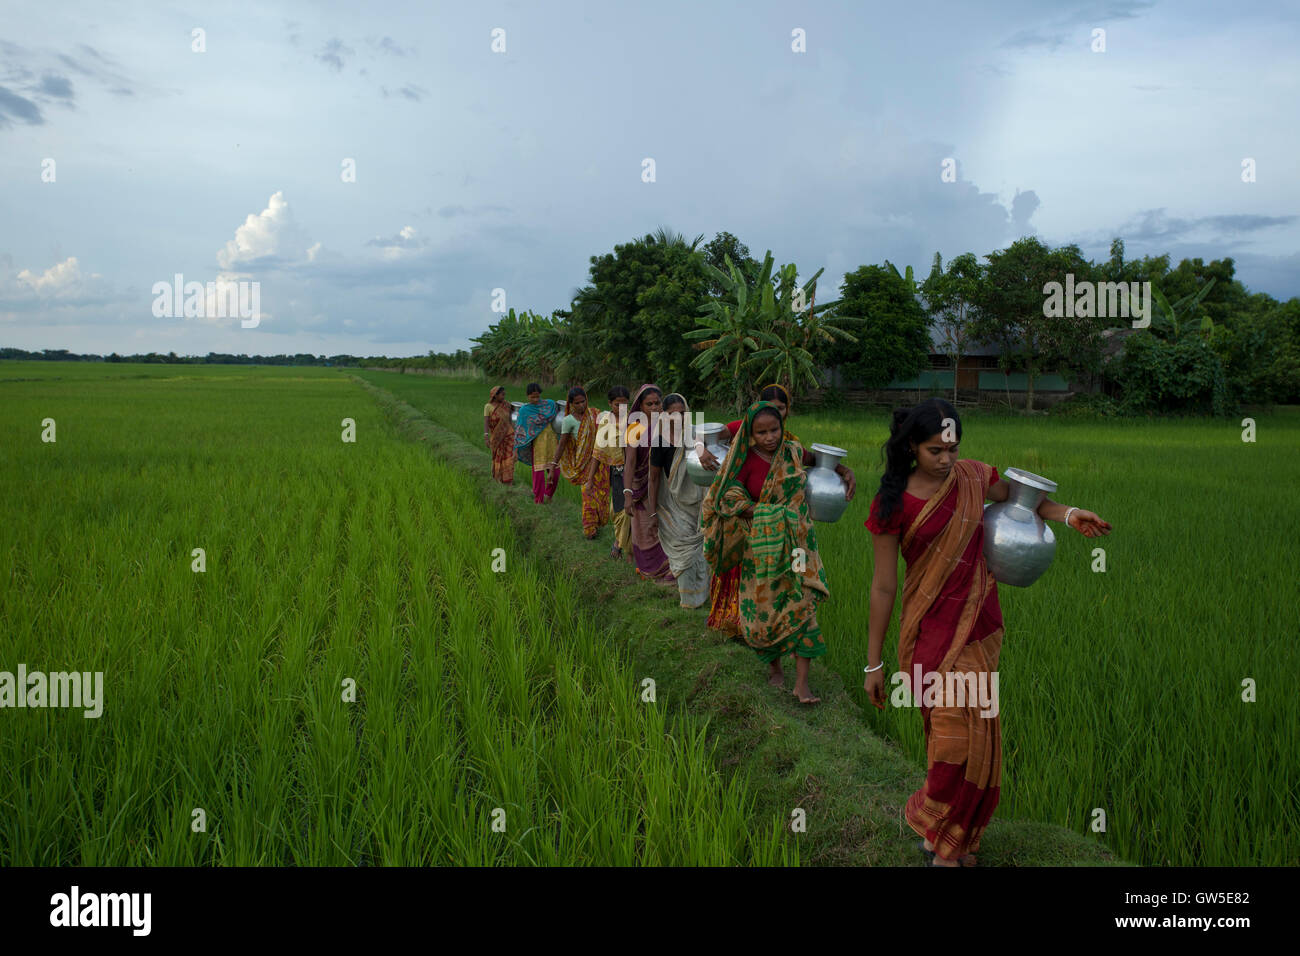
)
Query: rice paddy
[
  {"x": 1124, "y": 690},
  {"x": 362, "y": 666}
]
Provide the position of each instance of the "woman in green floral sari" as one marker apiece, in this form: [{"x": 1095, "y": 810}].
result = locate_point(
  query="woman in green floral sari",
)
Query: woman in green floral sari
[{"x": 756, "y": 516}]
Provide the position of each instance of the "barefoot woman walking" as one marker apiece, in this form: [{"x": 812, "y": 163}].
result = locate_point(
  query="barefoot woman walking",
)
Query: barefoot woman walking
[
  {"x": 930, "y": 507},
  {"x": 755, "y": 518}
]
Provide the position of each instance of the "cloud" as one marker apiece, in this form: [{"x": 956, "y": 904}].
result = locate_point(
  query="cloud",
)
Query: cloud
[
  {"x": 15, "y": 107},
  {"x": 60, "y": 289},
  {"x": 450, "y": 212},
  {"x": 1063, "y": 29},
  {"x": 333, "y": 52},
  {"x": 388, "y": 45},
  {"x": 1156, "y": 224},
  {"x": 268, "y": 238},
  {"x": 412, "y": 92},
  {"x": 58, "y": 87},
  {"x": 404, "y": 242}
]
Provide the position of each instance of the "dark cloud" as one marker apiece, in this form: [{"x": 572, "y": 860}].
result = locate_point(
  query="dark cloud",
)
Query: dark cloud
[
  {"x": 58, "y": 87},
  {"x": 333, "y": 52},
  {"x": 1022, "y": 207},
  {"x": 1154, "y": 224},
  {"x": 415, "y": 93},
  {"x": 1064, "y": 28},
  {"x": 406, "y": 239},
  {"x": 15, "y": 107}
]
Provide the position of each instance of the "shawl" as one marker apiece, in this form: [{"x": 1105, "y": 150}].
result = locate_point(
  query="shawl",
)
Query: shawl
[
  {"x": 532, "y": 419},
  {"x": 679, "y": 513},
  {"x": 927, "y": 571},
  {"x": 636, "y": 463}
]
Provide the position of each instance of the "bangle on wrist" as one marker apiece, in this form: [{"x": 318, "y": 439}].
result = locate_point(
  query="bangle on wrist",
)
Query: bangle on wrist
[
  {"x": 1068, "y": 512},
  {"x": 868, "y": 670}
]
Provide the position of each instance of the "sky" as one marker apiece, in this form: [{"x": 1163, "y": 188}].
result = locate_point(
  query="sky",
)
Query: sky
[{"x": 377, "y": 172}]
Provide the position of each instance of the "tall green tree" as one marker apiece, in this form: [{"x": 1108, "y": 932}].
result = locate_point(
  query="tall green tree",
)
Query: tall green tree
[
  {"x": 953, "y": 298},
  {"x": 893, "y": 341}
]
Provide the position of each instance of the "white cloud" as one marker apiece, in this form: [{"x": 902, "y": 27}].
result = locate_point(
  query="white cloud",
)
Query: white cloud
[
  {"x": 270, "y": 236},
  {"x": 60, "y": 280}
]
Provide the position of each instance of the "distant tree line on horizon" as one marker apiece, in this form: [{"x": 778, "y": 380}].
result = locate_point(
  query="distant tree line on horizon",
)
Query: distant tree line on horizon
[{"x": 454, "y": 361}]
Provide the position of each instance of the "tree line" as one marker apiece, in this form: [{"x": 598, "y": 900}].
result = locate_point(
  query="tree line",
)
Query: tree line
[{"x": 710, "y": 320}]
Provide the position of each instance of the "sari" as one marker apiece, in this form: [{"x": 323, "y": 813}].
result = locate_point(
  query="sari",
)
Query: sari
[
  {"x": 535, "y": 444},
  {"x": 781, "y": 574},
  {"x": 951, "y": 622},
  {"x": 577, "y": 458},
  {"x": 501, "y": 434},
  {"x": 647, "y": 552},
  {"x": 724, "y": 590},
  {"x": 680, "y": 500}
]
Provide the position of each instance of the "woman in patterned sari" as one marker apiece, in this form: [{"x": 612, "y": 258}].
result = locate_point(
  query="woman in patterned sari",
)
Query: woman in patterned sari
[
  {"x": 535, "y": 442},
  {"x": 499, "y": 434},
  {"x": 579, "y": 464},
  {"x": 647, "y": 552},
  {"x": 677, "y": 499},
  {"x": 724, "y": 590},
  {"x": 756, "y": 518},
  {"x": 930, "y": 508}
]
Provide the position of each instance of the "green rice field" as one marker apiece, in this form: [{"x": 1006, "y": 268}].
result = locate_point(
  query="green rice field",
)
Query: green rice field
[
  {"x": 348, "y": 681},
  {"x": 1120, "y": 690},
  {"x": 351, "y": 682}
]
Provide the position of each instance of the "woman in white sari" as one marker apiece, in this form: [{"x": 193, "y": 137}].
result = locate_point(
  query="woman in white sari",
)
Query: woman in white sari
[{"x": 678, "y": 501}]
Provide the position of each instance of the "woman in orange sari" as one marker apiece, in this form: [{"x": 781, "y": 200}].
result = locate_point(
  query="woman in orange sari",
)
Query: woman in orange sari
[
  {"x": 499, "y": 434},
  {"x": 578, "y": 461},
  {"x": 930, "y": 507}
]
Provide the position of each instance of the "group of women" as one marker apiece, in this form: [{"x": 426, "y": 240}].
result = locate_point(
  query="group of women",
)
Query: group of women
[{"x": 747, "y": 546}]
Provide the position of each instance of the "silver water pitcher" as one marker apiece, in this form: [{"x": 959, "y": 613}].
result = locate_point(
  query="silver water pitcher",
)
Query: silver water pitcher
[
  {"x": 717, "y": 440},
  {"x": 1018, "y": 544},
  {"x": 514, "y": 412},
  {"x": 825, "y": 490},
  {"x": 555, "y": 422}
]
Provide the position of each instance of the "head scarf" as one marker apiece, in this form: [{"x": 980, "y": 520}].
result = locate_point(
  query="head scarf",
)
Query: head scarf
[
  {"x": 496, "y": 388},
  {"x": 532, "y": 419},
  {"x": 636, "y": 478},
  {"x": 724, "y": 536}
]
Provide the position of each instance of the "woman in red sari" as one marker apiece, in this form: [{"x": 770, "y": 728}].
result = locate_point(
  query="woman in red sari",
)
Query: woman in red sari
[
  {"x": 930, "y": 507},
  {"x": 499, "y": 434}
]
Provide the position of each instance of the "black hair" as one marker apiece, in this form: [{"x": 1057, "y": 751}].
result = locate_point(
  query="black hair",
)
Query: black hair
[
  {"x": 532, "y": 387},
  {"x": 576, "y": 391},
  {"x": 618, "y": 391},
  {"x": 674, "y": 398},
  {"x": 775, "y": 391},
  {"x": 909, "y": 425}
]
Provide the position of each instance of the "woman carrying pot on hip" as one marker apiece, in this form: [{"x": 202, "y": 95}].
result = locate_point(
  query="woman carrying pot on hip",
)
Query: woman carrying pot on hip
[{"x": 930, "y": 507}]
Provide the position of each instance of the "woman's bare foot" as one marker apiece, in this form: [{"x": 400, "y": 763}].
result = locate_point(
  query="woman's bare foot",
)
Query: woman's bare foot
[
  {"x": 775, "y": 675},
  {"x": 805, "y": 694}
]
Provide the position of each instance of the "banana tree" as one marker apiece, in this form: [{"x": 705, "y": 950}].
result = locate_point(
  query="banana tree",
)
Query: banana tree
[{"x": 1178, "y": 319}]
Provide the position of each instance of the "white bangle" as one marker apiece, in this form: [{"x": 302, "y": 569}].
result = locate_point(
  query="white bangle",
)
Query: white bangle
[
  {"x": 868, "y": 670},
  {"x": 1068, "y": 512}
]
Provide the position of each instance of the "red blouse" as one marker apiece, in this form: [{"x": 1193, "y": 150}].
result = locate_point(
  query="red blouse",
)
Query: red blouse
[{"x": 939, "y": 624}]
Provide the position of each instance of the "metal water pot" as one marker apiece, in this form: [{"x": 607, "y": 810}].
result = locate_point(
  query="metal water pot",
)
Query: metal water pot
[
  {"x": 1018, "y": 544},
  {"x": 555, "y": 422},
  {"x": 514, "y": 412},
  {"x": 825, "y": 490},
  {"x": 717, "y": 440}
]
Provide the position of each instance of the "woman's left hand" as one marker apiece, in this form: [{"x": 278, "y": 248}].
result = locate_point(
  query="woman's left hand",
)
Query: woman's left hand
[
  {"x": 1088, "y": 524},
  {"x": 850, "y": 483}
]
